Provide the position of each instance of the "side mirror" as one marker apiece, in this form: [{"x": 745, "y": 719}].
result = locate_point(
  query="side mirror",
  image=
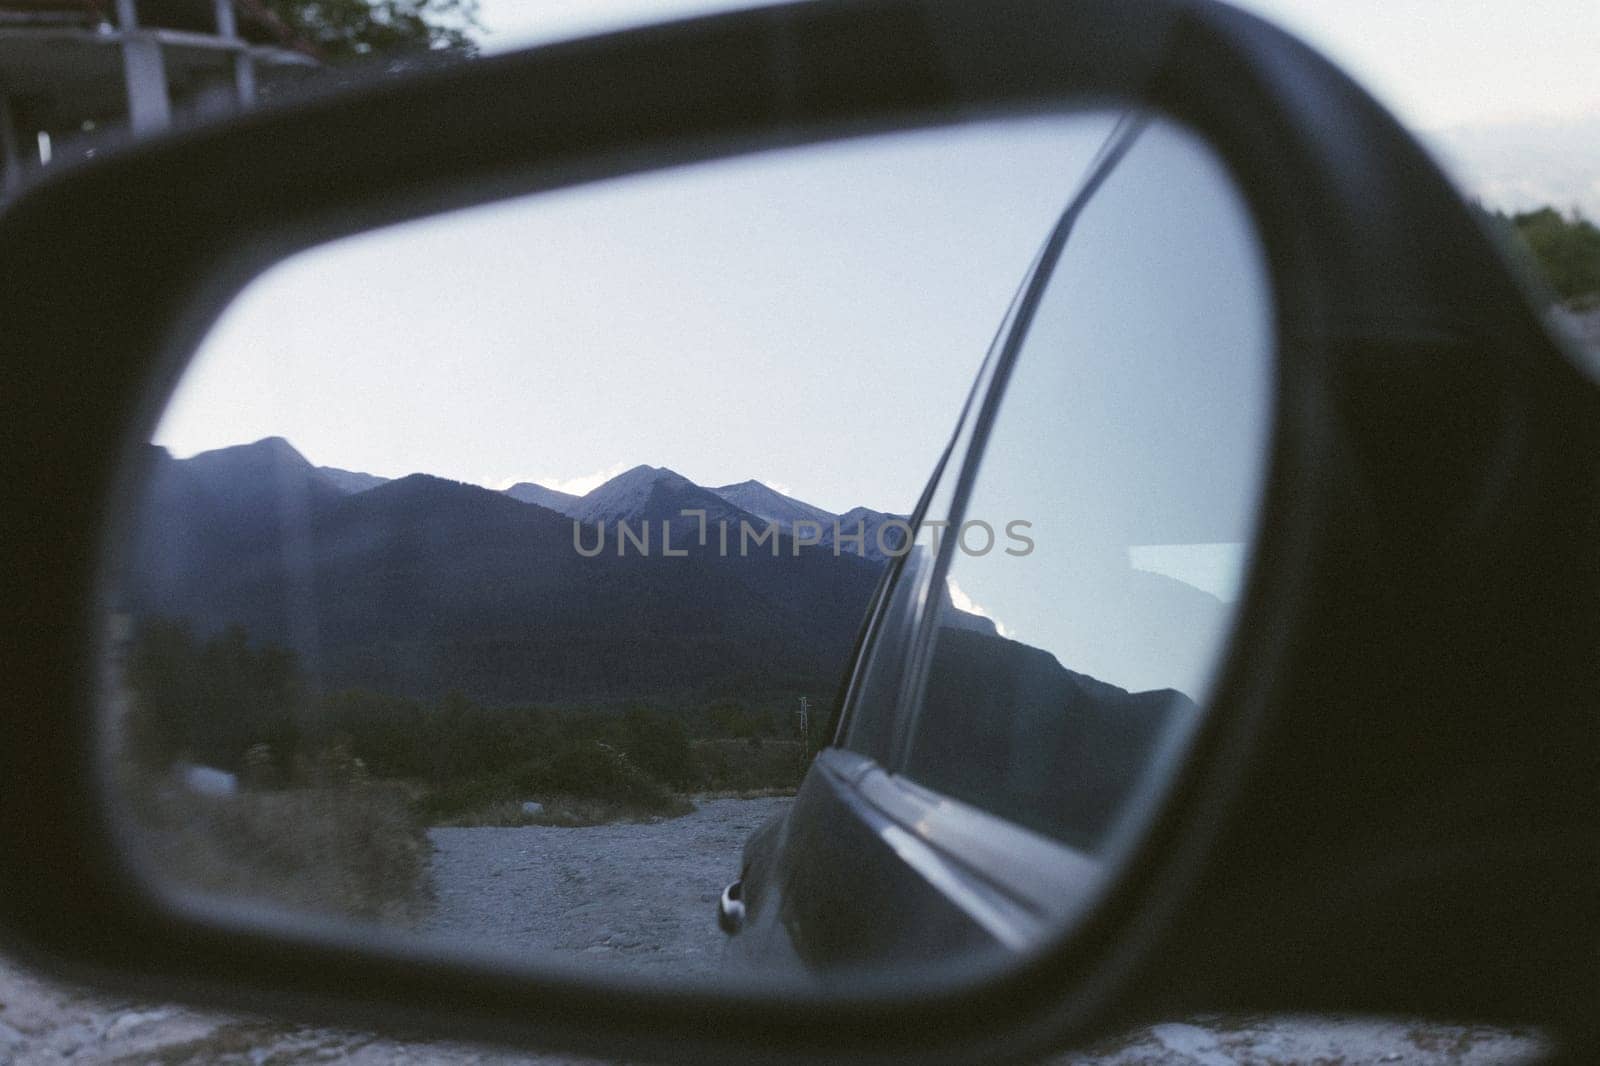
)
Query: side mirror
[{"x": 1284, "y": 712}]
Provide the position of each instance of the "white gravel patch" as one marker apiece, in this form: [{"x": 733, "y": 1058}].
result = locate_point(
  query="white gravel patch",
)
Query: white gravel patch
[
  {"x": 639, "y": 896},
  {"x": 1292, "y": 1040}
]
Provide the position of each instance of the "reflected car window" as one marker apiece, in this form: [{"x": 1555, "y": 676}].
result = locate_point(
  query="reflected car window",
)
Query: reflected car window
[
  {"x": 1091, "y": 580},
  {"x": 872, "y": 721}
]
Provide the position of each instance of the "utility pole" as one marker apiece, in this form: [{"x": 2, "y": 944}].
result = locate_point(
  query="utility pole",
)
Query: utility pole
[{"x": 805, "y": 732}]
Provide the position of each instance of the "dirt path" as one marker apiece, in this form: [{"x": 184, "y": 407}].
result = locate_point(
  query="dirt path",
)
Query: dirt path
[{"x": 642, "y": 897}]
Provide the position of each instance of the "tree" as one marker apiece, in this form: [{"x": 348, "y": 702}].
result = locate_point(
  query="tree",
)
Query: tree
[
  {"x": 210, "y": 700},
  {"x": 1567, "y": 248},
  {"x": 658, "y": 744},
  {"x": 352, "y": 29},
  {"x": 1562, "y": 249}
]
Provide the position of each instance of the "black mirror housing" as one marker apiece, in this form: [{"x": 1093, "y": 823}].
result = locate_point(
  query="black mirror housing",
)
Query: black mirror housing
[{"x": 1391, "y": 807}]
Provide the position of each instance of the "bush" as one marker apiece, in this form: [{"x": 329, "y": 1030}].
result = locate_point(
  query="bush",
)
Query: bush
[
  {"x": 1563, "y": 249},
  {"x": 595, "y": 770},
  {"x": 658, "y": 744},
  {"x": 1567, "y": 249},
  {"x": 748, "y": 765},
  {"x": 586, "y": 771},
  {"x": 459, "y": 798},
  {"x": 567, "y": 812},
  {"x": 347, "y": 852}
]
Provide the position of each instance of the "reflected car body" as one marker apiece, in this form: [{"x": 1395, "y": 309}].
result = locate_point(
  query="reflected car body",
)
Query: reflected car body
[{"x": 981, "y": 783}]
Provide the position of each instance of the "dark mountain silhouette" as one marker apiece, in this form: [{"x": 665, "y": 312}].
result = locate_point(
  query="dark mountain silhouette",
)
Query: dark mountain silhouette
[
  {"x": 203, "y": 513},
  {"x": 268, "y": 473},
  {"x": 350, "y": 480},
  {"x": 421, "y": 585},
  {"x": 651, "y": 495},
  {"x": 880, "y": 540},
  {"x": 1006, "y": 727},
  {"x": 528, "y": 492},
  {"x": 772, "y": 505}
]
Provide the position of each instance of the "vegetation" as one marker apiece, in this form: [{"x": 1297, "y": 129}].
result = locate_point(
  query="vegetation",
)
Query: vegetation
[
  {"x": 347, "y": 29},
  {"x": 1565, "y": 249},
  {"x": 352, "y": 851},
  {"x": 224, "y": 703}
]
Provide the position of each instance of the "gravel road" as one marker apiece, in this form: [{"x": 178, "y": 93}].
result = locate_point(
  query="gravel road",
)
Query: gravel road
[{"x": 642, "y": 897}]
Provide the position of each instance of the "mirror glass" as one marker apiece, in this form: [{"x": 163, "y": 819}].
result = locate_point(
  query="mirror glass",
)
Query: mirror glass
[
  {"x": 1128, "y": 442},
  {"x": 493, "y": 578}
]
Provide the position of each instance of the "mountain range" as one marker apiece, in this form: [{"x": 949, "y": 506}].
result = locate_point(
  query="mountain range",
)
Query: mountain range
[
  {"x": 627, "y": 497},
  {"x": 419, "y": 585}
]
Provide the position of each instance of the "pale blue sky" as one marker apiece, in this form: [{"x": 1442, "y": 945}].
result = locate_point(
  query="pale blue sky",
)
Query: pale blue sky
[
  {"x": 1505, "y": 91},
  {"x": 809, "y": 319},
  {"x": 1438, "y": 63}
]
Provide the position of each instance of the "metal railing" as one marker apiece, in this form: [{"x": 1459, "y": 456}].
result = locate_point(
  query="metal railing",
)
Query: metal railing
[{"x": 78, "y": 72}]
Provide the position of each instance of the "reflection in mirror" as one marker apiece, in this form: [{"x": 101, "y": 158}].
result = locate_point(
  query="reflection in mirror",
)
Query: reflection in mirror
[
  {"x": 1103, "y": 542},
  {"x": 1076, "y": 574},
  {"x": 493, "y": 576}
]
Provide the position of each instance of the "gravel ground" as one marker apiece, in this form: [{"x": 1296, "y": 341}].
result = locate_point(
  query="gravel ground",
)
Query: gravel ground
[
  {"x": 48, "y": 1023},
  {"x": 640, "y": 897}
]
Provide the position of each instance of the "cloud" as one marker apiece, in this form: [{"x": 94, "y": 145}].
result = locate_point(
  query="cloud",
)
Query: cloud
[
  {"x": 584, "y": 484},
  {"x": 963, "y": 602}
]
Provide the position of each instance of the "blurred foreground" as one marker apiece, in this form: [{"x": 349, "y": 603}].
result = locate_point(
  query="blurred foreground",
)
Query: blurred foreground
[{"x": 46, "y": 1022}]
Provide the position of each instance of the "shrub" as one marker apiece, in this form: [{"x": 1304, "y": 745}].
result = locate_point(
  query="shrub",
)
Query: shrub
[
  {"x": 743, "y": 766},
  {"x": 348, "y": 852},
  {"x": 569, "y": 812},
  {"x": 1567, "y": 249},
  {"x": 438, "y": 806},
  {"x": 658, "y": 744},
  {"x": 591, "y": 771},
  {"x": 594, "y": 770}
]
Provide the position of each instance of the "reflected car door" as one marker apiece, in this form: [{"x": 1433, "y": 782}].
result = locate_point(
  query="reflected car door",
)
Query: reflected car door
[
  {"x": 829, "y": 884},
  {"x": 1038, "y": 659}
]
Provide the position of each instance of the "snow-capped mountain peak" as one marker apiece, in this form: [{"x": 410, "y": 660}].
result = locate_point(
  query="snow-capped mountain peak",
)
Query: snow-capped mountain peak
[
  {"x": 772, "y": 505},
  {"x": 647, "y": 493}
]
